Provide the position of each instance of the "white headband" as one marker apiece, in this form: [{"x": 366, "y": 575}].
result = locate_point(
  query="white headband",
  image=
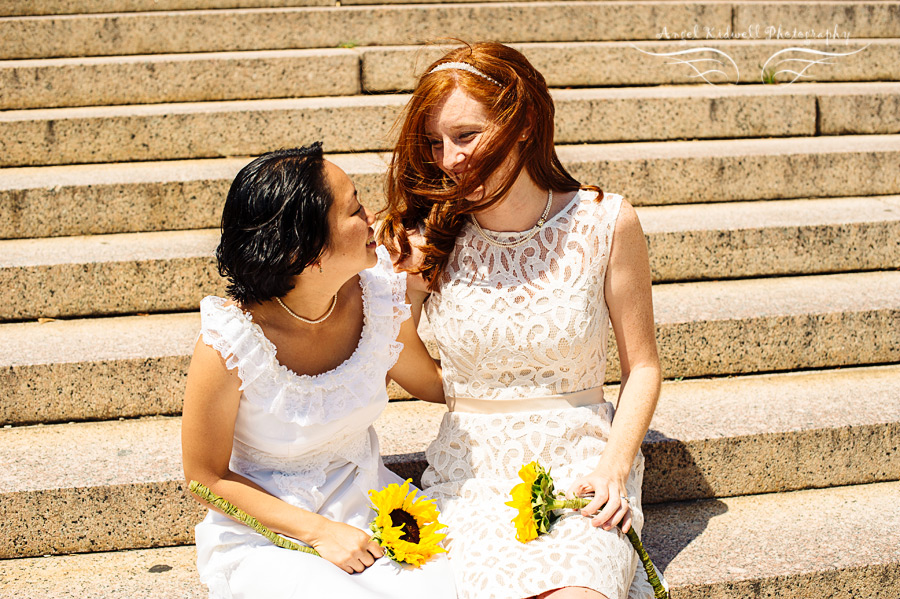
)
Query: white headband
[{"x": 463, "y": 66}]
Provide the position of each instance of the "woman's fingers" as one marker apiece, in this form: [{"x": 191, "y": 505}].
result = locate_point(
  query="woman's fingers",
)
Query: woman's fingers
[
  {"x": 608, "y": 507},
  {"x": 613, "y": 513},
  {"x": 626, "y": 522},
  {"x": 375, "y": 549},
  {"x": 578, "y": 489},
  {"x": 367, "y": 559},
  {"x": 362, "y": 559},
  {"x": 595, "y": 504}
]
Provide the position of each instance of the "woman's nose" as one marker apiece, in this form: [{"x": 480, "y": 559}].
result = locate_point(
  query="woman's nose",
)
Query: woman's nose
[
  {"x": 453, "y": 157},
  {"x": 370, "y": 216}
]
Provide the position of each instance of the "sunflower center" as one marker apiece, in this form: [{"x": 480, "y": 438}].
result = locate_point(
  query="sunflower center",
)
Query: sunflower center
[{"x": 410, "y": 528}]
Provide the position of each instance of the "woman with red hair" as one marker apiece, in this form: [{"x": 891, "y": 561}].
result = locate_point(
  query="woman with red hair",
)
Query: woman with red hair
[{"x": 520, "y": 269}]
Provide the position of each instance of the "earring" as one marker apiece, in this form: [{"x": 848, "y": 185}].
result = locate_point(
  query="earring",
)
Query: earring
[{"x": 320, "y": 266}]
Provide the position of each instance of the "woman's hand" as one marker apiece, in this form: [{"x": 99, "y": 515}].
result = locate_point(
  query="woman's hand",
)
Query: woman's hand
[
  {"x": 609, "y": 494},
  {"x": 416, "y": 287},
  {"x": 345, "y": 546}
]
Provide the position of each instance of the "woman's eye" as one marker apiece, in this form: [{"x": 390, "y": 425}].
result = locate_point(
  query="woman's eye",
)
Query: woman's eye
[{"x": 468, "y": 135}]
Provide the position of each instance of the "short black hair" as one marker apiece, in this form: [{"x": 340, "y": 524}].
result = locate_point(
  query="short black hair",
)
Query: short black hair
[{"x": 274, "y": 223}]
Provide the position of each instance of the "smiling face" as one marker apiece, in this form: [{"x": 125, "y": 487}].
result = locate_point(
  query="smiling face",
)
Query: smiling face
[
  {"x": 457, "y": 130},
  {"x": 351, "y": 244}
]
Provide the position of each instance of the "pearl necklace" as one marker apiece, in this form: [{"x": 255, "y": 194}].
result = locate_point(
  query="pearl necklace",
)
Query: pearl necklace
[
  {"x": 306, "y": 320},
  {"x": 531, "y": 233}
]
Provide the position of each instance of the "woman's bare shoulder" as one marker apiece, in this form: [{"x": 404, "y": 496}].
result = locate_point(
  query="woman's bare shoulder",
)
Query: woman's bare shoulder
[{"x": 627, "y": 221}]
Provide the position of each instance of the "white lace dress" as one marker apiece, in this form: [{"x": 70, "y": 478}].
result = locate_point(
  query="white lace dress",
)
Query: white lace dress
[
  {"x": 520, "y": 324},
  {"x": 309, "y": 441}
]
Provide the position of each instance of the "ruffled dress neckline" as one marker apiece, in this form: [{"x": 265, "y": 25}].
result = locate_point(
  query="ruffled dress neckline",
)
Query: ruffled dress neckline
[
  {"x": 272, "y": 351},
  {"x": 306, "y": 399}
]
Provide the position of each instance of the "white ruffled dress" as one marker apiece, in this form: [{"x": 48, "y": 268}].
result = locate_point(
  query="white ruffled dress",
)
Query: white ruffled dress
[{"x": 309, "y": 441}]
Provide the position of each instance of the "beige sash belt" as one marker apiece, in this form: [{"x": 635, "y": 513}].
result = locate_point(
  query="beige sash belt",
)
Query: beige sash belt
[{"x": 550, "y": 402}]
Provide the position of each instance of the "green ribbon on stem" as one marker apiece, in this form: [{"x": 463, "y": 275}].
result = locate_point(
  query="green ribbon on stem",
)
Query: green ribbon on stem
[
  {"x": 202, "y": 491},
  {"x": 579, "y": 502}
]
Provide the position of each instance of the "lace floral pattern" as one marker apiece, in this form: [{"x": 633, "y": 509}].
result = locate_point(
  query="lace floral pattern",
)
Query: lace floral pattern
[
  {"x": 474, "y": 463},
  {"x": 528, "y": 322}
]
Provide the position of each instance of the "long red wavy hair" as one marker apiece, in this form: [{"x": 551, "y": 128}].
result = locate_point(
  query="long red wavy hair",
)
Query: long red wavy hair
[{"x": 420, "y": 194}]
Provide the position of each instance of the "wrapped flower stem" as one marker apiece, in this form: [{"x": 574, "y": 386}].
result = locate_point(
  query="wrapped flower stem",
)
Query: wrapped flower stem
[
  {"x": 536, "y": 500},
  {"x": 580, "y": 502},
  {"x": 203, "y": 492},
  {"x": 405, "y": 525}
]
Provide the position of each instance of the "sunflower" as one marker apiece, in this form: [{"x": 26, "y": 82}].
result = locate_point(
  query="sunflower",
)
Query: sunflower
[
  {"x": 406, "y": 526},
  {"x": 536, "y": 499}
]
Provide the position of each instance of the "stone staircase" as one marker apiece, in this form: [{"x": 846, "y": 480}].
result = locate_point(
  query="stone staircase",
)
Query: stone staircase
[{"x": 772, "y": 213}]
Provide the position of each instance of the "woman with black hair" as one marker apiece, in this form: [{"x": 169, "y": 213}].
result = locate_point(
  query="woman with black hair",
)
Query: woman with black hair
[{"x": 285, "y": 382}]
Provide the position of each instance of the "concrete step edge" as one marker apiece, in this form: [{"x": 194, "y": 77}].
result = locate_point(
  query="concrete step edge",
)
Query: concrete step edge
[
  {"x": 129, "y": 366},
  {"x": 804, "y": 439},
  {"x": 26, "y": 37},
  {"x": 259, "y": 74},
  {"x": 693, "y": 544},
  {"x": 15, "y": 8},
  {"x": 363, "y": 123},
  {"x": 188, "y": 194},
  {"x": 128, "y": 273},
  {"x": 622, "y": 63}
]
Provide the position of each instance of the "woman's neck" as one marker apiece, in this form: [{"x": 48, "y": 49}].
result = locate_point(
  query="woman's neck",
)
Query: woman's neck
[
  {"x": 313, "y": 296},
  {"x": 522, "y": 207}
]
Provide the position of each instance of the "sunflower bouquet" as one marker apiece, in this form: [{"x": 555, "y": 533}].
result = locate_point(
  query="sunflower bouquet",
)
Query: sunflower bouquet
[
  {"x": 405, "y": 526},
  {"x": 537, "y": 500}
]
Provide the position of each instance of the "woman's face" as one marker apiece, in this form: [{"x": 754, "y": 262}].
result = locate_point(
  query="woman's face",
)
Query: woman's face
[
  {"x": 454, "y": 131},
  {"x": 351, "y": 246}
]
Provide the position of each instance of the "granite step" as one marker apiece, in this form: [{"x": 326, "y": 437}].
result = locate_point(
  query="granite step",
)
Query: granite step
[
  {"x": 776, "y": 237},
  {"x": 203, "y": 77},
  {"x": 787, "y": 545},
  {"x": 363, "y": 123},
  {"x": 328, "y": 27},
  {"x": 14, "y": 8},
  {"x": 601, "y": 64},
  {"x": 100, "y": 368},
  {"x": 742, "y": 435},
  {"x": 74, "y": 7},
  {"x": 66, "y": 488},
  {"x": 151, "y": 196},
  {"x": 188, "y": 194},
  {"x": 100, "y": 275},
  {"x": 694, "y": 543},
  {"x": 149, "y": 79},
  {"x": 171, "y": 271},
  {"x": 157, "y": 32}
]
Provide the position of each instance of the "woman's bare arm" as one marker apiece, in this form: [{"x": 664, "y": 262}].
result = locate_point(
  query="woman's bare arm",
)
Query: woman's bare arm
[
  {"x": 415, "y": 370},
  {"x": 628, "y": 295}
]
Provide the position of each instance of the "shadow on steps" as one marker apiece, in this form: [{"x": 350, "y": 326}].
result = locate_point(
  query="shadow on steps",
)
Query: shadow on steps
[{"x": 671, "y": 475}]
